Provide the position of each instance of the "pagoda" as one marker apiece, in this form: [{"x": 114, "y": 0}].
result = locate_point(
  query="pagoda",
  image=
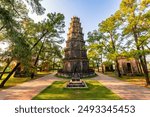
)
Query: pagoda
[
  {"x": 75, "y": 60},
  {"x": 75, "y": 53}
]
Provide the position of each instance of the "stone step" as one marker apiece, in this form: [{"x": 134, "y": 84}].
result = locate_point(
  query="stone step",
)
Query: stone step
[{"x": 76, "y": 84}]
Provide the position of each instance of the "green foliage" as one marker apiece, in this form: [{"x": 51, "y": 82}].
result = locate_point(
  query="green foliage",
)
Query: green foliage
[
  {"x": 44, "y": 39},
  {"x": 12, "y": 13},
  {"x": 110, "y": 28},
  {"x": 11, "y": 29},
  {"x": 53, "y": 26},
  {"x": 107, "y": 63},
  {"x": 137, "y": 26},
  {"x": 95, "y": 47},
  {"x": 136, "y": 17},
  {"x": 36, "y": 6}
]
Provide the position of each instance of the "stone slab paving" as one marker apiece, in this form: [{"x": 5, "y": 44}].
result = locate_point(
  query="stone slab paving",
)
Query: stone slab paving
[
  {"x": 27, "y": 90},
  {"x": 124, "y": 89}
]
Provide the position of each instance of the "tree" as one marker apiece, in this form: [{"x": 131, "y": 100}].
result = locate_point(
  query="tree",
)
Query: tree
[
  {"x": 51, "y": 56},
  {"x": 111, "y": 37},
  {"x": 12, "y": 11},
  {"x": 136, "y": 17},
  {"x": 11, "y": 15},
  {"x": 96, "y": 48},
  {"x": 53, "y": 26},
  {"x": 5, "y": 57}
]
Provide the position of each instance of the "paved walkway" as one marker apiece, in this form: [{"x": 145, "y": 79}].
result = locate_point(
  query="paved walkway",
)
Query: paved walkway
[
  {"x": 124, "y": 89},
  {"x": 27, "y": 90}
]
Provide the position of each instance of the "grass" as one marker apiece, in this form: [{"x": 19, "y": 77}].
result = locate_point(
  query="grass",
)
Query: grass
[
  {"x": 95, "y": 91},
  {"x": 17, "y": 80},
  {"x": 137, "y": 80}
]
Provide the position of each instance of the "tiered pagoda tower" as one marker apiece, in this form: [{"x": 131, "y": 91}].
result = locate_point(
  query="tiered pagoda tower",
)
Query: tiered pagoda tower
[{"x": 75, "y": 60}]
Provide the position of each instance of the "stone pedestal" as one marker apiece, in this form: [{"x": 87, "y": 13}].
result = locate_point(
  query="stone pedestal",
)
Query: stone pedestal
[{"x": 76, "y": 82}]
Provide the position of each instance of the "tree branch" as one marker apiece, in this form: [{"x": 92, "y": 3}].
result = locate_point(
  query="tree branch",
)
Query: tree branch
[
  {"x": 39, "y": 40},
  {"x": 148, "y": 47},
  {"x": 2, "y": 27},
  {"x": 15, "y": 9}
]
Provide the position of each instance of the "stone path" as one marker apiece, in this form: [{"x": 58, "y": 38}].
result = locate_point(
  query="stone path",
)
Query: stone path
[
  {"x": 27, "y": 90},
  {"x": 124, "y": 89}
]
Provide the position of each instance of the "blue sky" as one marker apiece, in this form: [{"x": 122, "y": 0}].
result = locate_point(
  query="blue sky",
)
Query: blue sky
[{"x": 90, "y": 12}]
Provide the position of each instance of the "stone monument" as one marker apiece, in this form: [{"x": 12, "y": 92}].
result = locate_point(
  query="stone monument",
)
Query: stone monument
[
  {"x": 75, "y": 53},
  {"x": 75, "y": 62}
]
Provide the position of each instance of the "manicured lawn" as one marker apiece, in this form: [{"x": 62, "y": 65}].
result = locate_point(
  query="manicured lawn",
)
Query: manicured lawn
[
  {"x": 14, "y": 81},
  {"x": 137, "y": 80},
  {"x": 95, "y": 91}
]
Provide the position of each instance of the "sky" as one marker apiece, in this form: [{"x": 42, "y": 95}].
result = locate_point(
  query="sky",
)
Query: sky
[{"x": 90, "y": 12}]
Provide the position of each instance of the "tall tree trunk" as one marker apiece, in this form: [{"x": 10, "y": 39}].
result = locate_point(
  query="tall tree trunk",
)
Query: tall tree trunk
[
  {"x": 116, "y": 61},
  {"x": 117, "y": 68},
  {"x": 39, "y": 39},
  {"x": 5, "y": 69},
  {"x": 54, "y": 64},
  {"x": 9, "y": 75},
  {"x": 139, "y": 67},
  {"x": 2, "y": 27},
  {"x": 102, "y": 68},
  {"x": 37, "y": 58},
  {"x": 98, "y": 67},
  {"x": 142, "y": 58},
  {"x": 102, "y": 63},
  {"x": 145, "y": 70}
]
